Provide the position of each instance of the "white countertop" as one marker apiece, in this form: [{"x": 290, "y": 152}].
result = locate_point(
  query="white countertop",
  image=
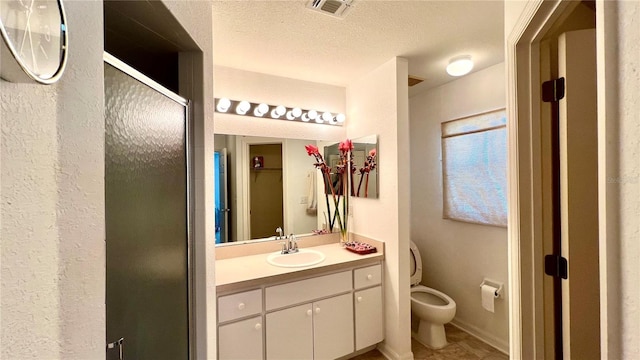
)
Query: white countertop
[{"x": 254, "y": 270}]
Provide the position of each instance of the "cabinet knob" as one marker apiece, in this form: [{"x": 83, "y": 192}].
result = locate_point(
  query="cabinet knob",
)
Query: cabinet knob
[
  {"x": 241, "y": 306},
  {"x": 309, "y": 312},
  {"x": 317, "y": 310},
  {"x": 369, "y": 277},
  {"x": 258, "y": 326},
  {"x": 359, "y": 298}
]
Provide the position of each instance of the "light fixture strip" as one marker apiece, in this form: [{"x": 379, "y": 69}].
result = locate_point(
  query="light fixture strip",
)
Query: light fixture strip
[{"x": 277, "y": 112}]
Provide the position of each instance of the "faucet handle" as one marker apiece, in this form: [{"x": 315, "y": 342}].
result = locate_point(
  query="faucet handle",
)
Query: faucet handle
[
  {"x": 293, "y": 244},
  {"x": 284, "y": 248}
]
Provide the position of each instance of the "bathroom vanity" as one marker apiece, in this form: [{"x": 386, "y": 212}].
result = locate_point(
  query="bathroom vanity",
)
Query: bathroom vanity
[{"x": 324, "y": 311}]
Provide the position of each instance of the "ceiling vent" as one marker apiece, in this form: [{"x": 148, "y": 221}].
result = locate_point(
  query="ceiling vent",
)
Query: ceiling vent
[{"x": 335, "y": 8}]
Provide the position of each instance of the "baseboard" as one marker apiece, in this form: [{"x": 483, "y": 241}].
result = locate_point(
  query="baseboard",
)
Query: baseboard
[
  {"x": 392, "y": 355},
  {"x": 501, "y": 345}
]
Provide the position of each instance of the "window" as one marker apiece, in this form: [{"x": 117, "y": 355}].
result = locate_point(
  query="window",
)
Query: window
[{"x": 474, "y": 168}]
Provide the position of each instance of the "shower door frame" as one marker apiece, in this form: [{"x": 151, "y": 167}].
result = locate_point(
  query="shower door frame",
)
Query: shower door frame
[{"x": 137, "y": 75}]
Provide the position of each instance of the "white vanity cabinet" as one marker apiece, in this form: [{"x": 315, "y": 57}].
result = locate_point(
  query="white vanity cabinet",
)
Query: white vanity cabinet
[
  {"x": 368, "y": 306},
  {"x": 327, "y": 316},
  {"x": 240, "y": 337},
  {"x": 322, "y": 328}
]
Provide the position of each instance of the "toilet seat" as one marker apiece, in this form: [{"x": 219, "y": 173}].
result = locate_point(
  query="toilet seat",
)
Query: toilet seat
[
  {"x": 450, "y": 304},
  {"x": 416, "y": 264}
]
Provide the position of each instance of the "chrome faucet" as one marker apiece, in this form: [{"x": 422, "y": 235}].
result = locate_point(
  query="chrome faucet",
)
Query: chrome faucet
[
  {"x": 280, "y": 233},
  {"x": 290, "y": 245}
]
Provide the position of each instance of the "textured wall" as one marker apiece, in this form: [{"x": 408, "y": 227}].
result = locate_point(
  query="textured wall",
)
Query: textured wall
[
  {"x": 378, "y": 104},
  {"x": 52, "y": 198},
  {"x": 456, "y": 256},
  {"x": 52, "y": 300},
  {"x": 629, "y": 178}
]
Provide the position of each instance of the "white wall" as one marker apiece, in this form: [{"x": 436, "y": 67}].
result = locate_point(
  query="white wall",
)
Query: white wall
[
  {"x": 52, "y": 196},
  {"x": 620, "y": 208},
  {"x": 238, "y": 84},
  {"x": 53, "y": 274},
  {"x": 378, "y": 104},
  {"x": 457, "y": 256}
]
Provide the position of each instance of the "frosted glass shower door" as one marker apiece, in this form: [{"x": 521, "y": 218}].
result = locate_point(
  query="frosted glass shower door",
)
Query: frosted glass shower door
[{"x": 147, "y": 222}]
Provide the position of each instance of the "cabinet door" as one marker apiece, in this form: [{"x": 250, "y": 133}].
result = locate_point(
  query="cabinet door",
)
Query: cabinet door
[
  {"x": 368, "y": 305},
  {"x": 333, "y": 327},
  {"x": 241, "y": 340},
  {"x": 290, "y": 333}
]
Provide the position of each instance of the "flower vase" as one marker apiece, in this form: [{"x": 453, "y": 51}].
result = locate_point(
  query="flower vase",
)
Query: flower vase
[{"x": 344, "y": 237}]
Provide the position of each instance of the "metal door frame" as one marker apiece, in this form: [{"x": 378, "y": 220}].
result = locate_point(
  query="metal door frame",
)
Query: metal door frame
[{"x": 137, "y": 75}]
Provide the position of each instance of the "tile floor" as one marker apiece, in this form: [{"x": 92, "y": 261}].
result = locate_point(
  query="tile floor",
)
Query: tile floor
[{"x": 462, "y": 346}]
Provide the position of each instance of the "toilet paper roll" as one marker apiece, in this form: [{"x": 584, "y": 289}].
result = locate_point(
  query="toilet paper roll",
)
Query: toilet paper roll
[{"x": 488, "y": 297}]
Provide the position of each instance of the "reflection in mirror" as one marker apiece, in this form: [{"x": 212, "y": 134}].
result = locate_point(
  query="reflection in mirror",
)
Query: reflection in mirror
[
  {"x": 263, "y": 184},
  {"x": 365, "y": 161},
  {"x": 364, "y": 177}
]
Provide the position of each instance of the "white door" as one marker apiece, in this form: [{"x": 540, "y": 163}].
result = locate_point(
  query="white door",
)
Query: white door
[
  {"x": 290, "y": 333},
  {"x": 368, "y": 305},
  {"x": 333, "y": 327},
  {"x": 241, "y": 340},
  {"x": 579, "y": 195}
]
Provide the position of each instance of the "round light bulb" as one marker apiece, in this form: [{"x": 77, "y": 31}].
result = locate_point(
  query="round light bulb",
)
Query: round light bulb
[
  {"x": 340, "y": 118},
  {"x": 312, "y": 114},
  {"x": 278, "y": 111},
  {"x": 319, "y": 120},
  {"x": 326, "y": 116},
  {"x": 460, "y": 65},
  {"x": 290, "y": 115},
  {"x": 260, "y": 110},
  {"x": 243, "y": 107},
  {"x": 223, "y": 105},
  {"x": 296, "y": 112},
  {"x": 305, "y": 117}
]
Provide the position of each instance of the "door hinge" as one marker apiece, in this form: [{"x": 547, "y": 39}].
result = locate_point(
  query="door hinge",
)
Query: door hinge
[
  {"x": 553, "y": 90},
  {"x": 556, "y": 266}
]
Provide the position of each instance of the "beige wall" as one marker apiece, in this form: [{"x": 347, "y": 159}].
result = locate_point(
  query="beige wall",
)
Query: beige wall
[
  {"x": 378, "y": 104},
  {"x": 52, "y": 196},
  {"x": 457, "y": 256}
]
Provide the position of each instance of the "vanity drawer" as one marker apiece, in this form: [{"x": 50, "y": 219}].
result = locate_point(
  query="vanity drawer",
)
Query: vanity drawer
[
  {"x": 239, "y": 305},
  {"x": 307, "y": 290},
  {"x": 369, "y": 276}
]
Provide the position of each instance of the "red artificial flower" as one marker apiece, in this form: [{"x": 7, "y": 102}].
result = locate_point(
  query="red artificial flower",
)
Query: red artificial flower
[
  {"x": 312, "y": 150},
  {"x": 372, "y": 153},
  {"x": 345, "y": 146}
]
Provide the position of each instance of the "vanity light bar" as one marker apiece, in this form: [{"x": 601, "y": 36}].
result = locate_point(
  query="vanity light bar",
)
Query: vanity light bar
[{"x": 246, "y": 108}]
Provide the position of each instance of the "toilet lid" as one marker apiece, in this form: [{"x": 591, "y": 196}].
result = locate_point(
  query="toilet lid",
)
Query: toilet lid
[{"x": 415, "y": 264}]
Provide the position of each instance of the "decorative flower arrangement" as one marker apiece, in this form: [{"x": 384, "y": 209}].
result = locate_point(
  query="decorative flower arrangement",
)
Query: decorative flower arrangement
[
  {"x": 339, "y": 189},
  {"x": 369, "y": 165}
]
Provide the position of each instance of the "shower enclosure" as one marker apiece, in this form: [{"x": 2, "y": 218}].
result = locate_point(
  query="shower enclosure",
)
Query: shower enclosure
[{"x": 147, "y": 218}]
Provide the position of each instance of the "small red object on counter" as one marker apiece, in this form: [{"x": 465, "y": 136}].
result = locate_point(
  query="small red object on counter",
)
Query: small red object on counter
[{"x": 360, "y": 248}]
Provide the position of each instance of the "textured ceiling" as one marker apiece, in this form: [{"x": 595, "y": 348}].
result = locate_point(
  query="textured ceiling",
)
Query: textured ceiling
[{"x": 284, "y": 38}]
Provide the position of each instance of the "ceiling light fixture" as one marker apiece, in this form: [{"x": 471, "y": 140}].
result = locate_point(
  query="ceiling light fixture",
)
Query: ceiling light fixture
[{"x": 460, "y": 65}]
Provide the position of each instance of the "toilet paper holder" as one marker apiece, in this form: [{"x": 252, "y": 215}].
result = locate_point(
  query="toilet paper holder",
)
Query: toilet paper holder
[{"x": 498, "y": 285}]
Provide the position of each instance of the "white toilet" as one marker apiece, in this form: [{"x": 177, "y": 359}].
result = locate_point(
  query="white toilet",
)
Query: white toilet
[{"x": 433, "y": 308}]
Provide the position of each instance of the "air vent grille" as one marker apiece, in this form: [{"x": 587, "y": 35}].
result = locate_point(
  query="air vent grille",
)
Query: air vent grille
[
  {"x": 335, "y": 8},
  {"x": 331, "y": 6}
]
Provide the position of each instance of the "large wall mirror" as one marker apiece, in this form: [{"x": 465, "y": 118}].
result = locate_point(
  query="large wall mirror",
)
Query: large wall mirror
[{"x": 261, "y": 184}]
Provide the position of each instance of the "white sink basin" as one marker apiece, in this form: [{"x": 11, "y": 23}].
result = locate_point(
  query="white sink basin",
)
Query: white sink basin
[{"x": 304, "y": 257}]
